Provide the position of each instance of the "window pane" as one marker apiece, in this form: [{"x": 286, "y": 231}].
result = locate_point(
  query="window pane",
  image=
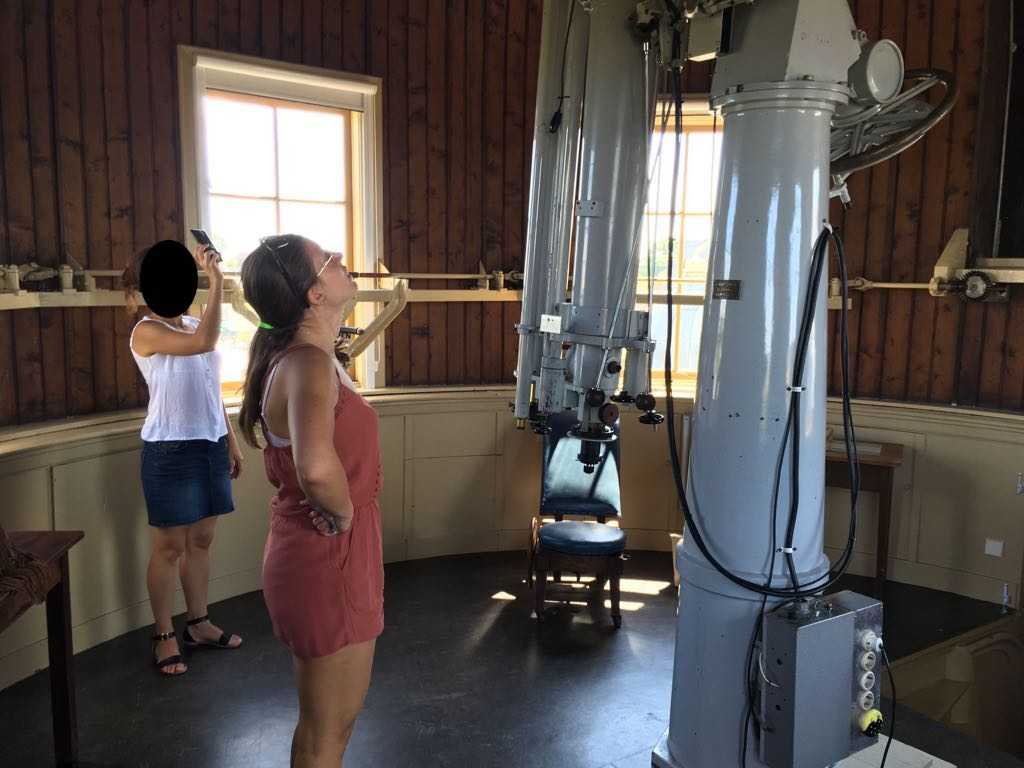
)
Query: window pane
[
  {"x": 686, "y": 329},
  {"x": 311, "y": 146},
  {"x": 239, "y": 147},
  {"x": 696, "y": 252},
  {"x": 321, "y": 222},
  {"x": 656, "y": 229},
  {"x": 659, "y": 332},
  {"x": 688, "y": 325},
  {"x": 659, "y": 198},
  {"x": 699, "y": 172},
  {"x": 236, "y": 226},
  {"x": 235, "y": 336}
]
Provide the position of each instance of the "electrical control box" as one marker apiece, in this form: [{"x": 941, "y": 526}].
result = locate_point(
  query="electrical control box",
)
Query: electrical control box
[{"x": 818, "y": 672}]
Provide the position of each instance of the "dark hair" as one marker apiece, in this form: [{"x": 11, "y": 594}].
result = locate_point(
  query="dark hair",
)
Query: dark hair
[
  {"x": 275, "y": 280},
  {"x": 130, "y": 280}
]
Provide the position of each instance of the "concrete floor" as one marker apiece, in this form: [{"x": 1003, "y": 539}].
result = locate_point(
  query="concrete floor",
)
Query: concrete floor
[{"x": 462, "y": 678}]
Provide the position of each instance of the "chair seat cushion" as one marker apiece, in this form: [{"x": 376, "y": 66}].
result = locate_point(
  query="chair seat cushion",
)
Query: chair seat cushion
[
  {"x": 574, "y": 505},
  {"x": 582, "y": 538}
]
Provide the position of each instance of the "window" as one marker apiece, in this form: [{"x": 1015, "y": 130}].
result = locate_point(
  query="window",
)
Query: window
[
  {"x": 270, "y": 148},
  {"x": 700, "y": 147}
]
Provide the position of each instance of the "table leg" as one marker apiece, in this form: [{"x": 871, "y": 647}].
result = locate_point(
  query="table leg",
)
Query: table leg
[{"x": 62, "y": 679}]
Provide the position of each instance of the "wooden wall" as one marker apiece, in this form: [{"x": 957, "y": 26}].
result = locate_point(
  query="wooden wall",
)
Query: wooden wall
[
  {"x": 90, "y": 164},
  {"x": 90, "y": 159},
  {"x": 906, "y": 345}
]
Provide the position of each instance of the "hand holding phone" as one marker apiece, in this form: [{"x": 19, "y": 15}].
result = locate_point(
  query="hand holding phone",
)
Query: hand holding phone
[{"x": 204, "y": 239}]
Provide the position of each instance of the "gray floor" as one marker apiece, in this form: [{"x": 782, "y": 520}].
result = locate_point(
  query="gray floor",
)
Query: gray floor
[{"x": 461, "y": 679}]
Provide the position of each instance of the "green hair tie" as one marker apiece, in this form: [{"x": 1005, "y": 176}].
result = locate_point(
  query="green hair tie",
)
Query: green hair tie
[{"x": 264, "y": 324}]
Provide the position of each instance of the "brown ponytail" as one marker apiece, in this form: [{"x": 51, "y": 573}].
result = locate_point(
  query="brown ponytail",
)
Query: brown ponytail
[
  {"x": 275, "y": 279},
  {"x": 130, "y": 281}
]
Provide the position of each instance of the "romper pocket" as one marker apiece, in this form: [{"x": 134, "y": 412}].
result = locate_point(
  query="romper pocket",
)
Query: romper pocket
[{"x": 363, "y": 571}]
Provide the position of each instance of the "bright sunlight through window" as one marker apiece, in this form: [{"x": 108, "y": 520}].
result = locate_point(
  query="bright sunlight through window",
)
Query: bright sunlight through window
[
  {"x": 694, "y": 205},
  {"x": 273, "y": 166}
]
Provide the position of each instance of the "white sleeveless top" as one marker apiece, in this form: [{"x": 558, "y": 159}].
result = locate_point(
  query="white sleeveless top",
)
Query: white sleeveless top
[{"x": 184, "y": 392}]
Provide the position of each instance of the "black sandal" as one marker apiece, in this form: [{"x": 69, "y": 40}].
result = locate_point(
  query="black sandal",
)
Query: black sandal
[
  {"x": 170, "y": 661},
  {"x": 222, "y": 642}
]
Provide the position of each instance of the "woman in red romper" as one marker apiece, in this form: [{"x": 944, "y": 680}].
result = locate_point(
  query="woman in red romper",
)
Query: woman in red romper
[{"x": 323, "y": 573}]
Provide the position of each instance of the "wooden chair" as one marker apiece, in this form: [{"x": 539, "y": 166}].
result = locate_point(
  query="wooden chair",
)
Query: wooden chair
[
  {"x": 34, "y": 568},
  {"x": 577, "y": 546}
]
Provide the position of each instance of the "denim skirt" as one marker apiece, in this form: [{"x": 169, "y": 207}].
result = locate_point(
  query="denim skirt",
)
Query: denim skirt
[{"x": 185, "y": 481}]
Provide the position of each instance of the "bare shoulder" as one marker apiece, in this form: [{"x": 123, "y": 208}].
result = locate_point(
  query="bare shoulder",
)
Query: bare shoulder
[
  {"x": 310, "y": 371},
  {"x": 150, "y": 337}
]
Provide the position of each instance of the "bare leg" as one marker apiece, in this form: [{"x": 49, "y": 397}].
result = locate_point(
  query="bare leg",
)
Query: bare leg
[
  {"x": 168, "y": 548},
  {"x": 195, "y": 579},
  {"x": 331, "y": 694}
]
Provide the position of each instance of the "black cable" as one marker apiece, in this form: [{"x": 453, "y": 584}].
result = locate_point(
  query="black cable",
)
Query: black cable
[
  {"x": 832, "y": 576},
  {"x": 892, "y": 721},
  {"x": 556, "y": 119}
]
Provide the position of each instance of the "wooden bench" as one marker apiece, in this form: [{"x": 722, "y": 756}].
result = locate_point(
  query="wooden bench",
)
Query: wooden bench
[{"x": 49, "y": 552}]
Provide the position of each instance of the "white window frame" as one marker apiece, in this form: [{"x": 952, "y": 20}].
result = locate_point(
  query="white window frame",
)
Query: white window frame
[{"x": 201, "y": 68}]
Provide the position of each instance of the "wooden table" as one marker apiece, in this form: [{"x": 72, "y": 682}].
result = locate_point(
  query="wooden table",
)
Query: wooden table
[
  {"x": 877, "y": 471},
  {"x": 52, "y": 547}
]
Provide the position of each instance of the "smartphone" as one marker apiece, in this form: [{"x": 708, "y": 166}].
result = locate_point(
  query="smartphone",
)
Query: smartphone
[{"x": 203, "y": 239}]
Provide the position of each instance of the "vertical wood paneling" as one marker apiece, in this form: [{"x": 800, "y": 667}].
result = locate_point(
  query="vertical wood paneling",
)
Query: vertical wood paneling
[
  {"x": 312, "y": 32},
  {"x": 206, "y": 23},
  {"x": 455, "y": 254},
  {"x": 474, "y": 182},
  {"x": 270, "y": 28},
  {"x": 397, "y": 343},
  {"x": 119, "y": 162},
  {"x": 333, "y": 57},
  {"x": 291, "y": 30},
  {"x": 53, "y": 323},
  {"x": 140, "y": 112},
  {"x": 982, "y": 324},
  {"x": 930, "y": 242},
  {"x": 877, "y": 255},
  {"x": 8, "y": 385},
  {"x": 437, "y": 183},
  {"x": 229, "y": 26},
  {"x": 98, "y": 176},
  {"x": 906, "y": 212},
  {"x": 418, "y": 254},
  {"x": 71, "y": 194},
  {"x": 249, "y": 27},
  {"x": 354, "y": 35},
  {"x": 514, "y": 204},
  {"x": 20, "y": 209},
  {"x": 495, "y": 53},
  {"x": 97, "y": 196},
  {"x": 948, "y": 383}
]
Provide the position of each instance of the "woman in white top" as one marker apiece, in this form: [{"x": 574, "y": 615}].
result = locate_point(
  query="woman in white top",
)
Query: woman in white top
[{"x": 189, "y": 456}]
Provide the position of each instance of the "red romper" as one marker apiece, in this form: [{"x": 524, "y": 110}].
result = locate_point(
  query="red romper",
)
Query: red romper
[{"x": 326, "y": 592}]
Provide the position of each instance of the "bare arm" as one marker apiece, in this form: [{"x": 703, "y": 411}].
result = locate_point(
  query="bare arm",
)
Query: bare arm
[
  {"x": 155, "y": 338},
  {"x": 234, "y": 449},
  {"x": 312, "y": 385}
]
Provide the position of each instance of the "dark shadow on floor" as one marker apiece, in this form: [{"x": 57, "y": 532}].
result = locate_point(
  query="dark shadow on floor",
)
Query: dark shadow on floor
[{"x": 462, "y": 678}]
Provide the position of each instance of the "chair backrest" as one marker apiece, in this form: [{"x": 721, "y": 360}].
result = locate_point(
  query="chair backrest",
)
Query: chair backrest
[{"x": 565, "y": 488}]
